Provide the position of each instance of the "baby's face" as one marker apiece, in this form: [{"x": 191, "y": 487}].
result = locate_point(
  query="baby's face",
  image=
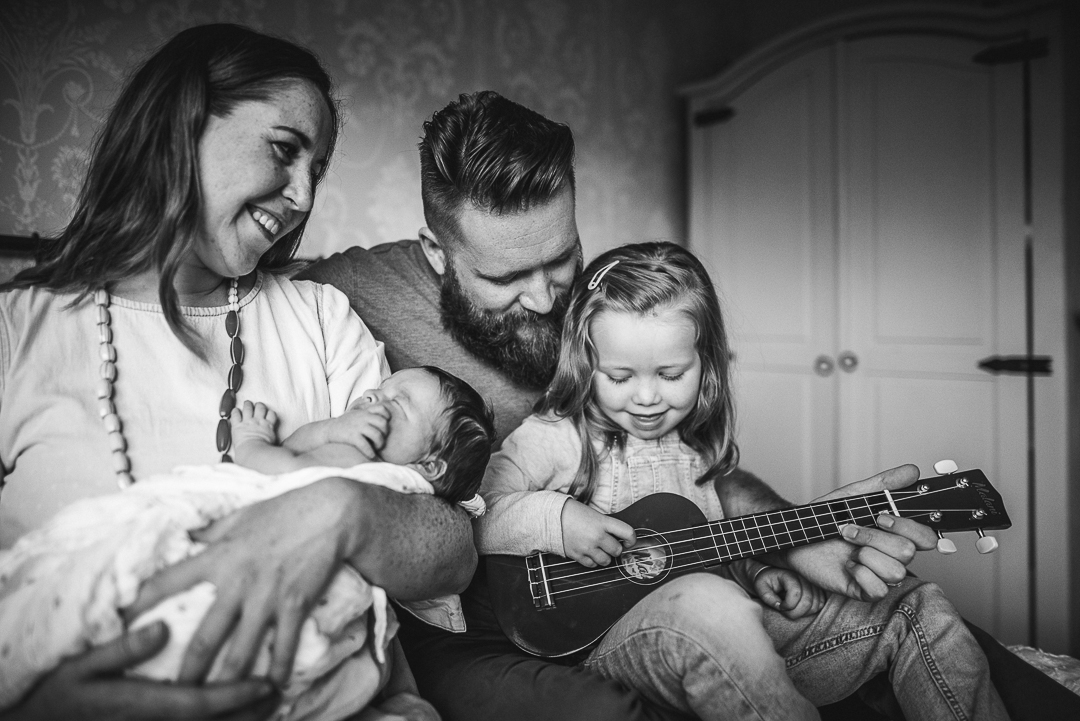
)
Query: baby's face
[{"x": 415, "y": 405}]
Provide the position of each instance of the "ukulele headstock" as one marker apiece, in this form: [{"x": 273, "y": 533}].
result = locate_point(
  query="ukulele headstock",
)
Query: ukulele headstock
[{"x": 956, "y": 501}]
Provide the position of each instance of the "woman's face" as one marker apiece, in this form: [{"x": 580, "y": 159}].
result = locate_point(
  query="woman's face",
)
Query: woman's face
[{"x": 256, "y": 168}]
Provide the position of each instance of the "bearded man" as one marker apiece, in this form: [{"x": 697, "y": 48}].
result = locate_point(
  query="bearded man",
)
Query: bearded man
[{"x": 483, "y": 291}]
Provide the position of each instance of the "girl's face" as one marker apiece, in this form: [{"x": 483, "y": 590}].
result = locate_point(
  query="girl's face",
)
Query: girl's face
[
  {"x": 647, "y": 372},
  {"x": 256, "y": 169}
]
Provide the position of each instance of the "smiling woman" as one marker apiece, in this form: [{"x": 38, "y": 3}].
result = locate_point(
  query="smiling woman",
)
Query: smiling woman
[{"x": 127, "y": 345}]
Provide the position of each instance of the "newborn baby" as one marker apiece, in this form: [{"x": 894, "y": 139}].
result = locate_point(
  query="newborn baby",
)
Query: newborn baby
[{"x": 62, "y": 586}]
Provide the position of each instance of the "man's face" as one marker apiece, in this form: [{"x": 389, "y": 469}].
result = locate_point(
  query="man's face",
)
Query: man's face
[{"x": 506, "y": 283}]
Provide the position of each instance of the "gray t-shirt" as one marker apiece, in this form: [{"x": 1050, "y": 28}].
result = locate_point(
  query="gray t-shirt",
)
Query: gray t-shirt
[{"x": 394, "y": 289}]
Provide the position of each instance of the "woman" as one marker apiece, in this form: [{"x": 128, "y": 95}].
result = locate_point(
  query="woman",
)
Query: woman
[{"x": 122, "y": 350}]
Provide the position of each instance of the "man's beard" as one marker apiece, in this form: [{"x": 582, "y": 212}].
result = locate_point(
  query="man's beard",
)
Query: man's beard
[{"x": 523, "y": 344}]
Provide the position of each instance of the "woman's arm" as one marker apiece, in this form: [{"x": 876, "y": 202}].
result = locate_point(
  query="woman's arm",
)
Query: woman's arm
[{"x": 414, "y": 546}]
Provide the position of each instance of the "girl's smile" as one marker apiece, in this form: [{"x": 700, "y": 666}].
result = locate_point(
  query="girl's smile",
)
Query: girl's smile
[{"x": 647, "y": 372}]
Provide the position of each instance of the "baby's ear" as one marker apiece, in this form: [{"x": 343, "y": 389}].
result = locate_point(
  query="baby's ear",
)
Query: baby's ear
[{"x": 431, "y": 468}]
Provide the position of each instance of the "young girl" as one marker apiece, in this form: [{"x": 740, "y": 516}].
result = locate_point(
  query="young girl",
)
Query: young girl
[{"x": 641, "y": 403}]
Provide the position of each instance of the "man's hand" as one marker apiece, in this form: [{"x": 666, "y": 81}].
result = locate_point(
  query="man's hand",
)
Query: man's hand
[
  {"x": 91, "y": 686},
  {"x": 591, "y": 538},
  {"x": 788, "y": 592},
  {"x": 867, "y": 559}
]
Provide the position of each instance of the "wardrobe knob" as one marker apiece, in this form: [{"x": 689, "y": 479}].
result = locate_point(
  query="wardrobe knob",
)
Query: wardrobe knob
[
  {"x": 823, "y": 366},
  {"x": 847, "y": 361}
]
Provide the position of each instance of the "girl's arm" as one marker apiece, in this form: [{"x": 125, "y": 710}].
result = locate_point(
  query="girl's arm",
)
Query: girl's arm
[{"x": 525, "y": 489}]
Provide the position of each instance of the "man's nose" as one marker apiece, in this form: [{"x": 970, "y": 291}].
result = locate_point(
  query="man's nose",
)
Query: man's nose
[{"x": 538, "y": 294}]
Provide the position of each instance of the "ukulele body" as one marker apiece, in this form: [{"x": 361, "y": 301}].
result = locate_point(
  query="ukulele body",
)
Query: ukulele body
[{"x": 672, "y": 540}]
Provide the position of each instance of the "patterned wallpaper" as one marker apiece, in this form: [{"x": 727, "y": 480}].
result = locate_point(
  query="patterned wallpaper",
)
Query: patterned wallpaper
[
  {"x": 608, "y": 68},
  {"x": 603, "y": 67}
]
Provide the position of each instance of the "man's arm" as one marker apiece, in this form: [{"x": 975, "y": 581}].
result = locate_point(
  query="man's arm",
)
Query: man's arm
[
  {"x": 865, "y": 561},
  {"x": 741, "y": 492}
]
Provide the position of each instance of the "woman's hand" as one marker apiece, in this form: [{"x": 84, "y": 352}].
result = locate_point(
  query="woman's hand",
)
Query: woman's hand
[
  {"x": 270, "y": 563},
  {"x": 91, "y": 686},
  {"x": 866, "y": 560},
  {"x": 591, "y": 538}
]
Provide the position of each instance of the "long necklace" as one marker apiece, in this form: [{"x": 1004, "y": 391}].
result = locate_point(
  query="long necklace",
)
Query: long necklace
[{"x": 105, "y": 386}]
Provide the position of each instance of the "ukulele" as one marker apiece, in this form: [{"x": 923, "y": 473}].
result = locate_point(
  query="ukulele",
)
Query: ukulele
[{"x": 550, "y": 606}]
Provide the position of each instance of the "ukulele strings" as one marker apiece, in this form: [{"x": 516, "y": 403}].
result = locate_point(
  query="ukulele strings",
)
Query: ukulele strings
[
  {"x": 617, "y": 577},
  {"x": 829, "y": 529},
  {"x": 816, "y": 516}
]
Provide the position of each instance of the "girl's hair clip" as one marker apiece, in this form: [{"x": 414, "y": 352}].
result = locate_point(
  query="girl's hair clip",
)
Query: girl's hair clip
[
  {"x": 599, "y": 275},
  {"x": 475, "y": 506}
]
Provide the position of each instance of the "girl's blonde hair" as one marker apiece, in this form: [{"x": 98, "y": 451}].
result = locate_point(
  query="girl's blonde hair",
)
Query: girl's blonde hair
[{"x": 646, "y": 278}]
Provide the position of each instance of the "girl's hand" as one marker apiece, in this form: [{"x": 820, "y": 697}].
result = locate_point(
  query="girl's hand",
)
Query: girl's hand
[
  {"x": 788, "y": 592},
  {"x": 91, "y": 686},
  {"x": 591, "y": 538},
  {"x": 270, "y": 563}
]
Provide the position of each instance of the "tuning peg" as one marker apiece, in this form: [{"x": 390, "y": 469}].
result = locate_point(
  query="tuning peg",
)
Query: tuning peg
[
  {"x": 986, "y": 544},
  {"x": 943, "y": 468},
  {"x": 944, "y": 545}
]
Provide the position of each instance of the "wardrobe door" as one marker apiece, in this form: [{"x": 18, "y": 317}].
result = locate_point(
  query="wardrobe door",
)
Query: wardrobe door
[
  {"x": 930, "y": 282},
  {"x": 859, "y": 206},
  {"x": 762, "y": 222}
]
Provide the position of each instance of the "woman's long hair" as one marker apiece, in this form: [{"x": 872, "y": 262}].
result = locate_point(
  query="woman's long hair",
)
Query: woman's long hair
[
  {"x": 139, "y": 206},
  {"x": 647, "y": 278}
]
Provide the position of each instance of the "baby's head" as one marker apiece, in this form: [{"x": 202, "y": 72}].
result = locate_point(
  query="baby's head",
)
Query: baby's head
[{"x": 438, "y": 425}]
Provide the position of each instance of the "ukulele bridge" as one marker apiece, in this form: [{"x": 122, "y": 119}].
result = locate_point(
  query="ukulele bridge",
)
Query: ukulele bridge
[{"x": 539, "y": 584}]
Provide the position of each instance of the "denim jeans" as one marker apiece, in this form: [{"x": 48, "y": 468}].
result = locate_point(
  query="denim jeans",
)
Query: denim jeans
[{"x": 700, "y": 645}]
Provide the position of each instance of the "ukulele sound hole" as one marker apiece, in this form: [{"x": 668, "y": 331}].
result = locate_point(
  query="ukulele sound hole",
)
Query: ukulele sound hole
[{"x": 646, "y": 562}]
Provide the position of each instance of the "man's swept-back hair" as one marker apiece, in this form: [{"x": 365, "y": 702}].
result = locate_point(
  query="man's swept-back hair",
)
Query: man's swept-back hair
[
  {"x": 465, "y": 443},
  {"x": 140, "y": 203},
  {"x": 645, "y": 279},
  {"x": 492, "y": 154}
]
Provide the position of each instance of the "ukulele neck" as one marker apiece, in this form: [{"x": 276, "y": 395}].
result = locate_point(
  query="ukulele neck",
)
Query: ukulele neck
[{"x": 758, "y": 533}]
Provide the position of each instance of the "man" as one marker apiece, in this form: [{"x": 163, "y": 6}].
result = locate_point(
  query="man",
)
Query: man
[{"x": 482, "y": 293}]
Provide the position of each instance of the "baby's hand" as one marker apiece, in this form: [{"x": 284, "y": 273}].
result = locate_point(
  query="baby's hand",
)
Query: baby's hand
[
  {"x": 253, "y": 422},
  {"x": 788, "y": 592},
  {"x": 364, "y": 427},
  {"x": 591, "y": 538}
]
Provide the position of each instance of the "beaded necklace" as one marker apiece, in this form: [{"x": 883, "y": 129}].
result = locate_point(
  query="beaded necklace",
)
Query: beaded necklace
[{"x": 105, "y": 386}]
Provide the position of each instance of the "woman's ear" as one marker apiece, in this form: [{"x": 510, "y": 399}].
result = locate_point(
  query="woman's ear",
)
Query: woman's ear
[
  {"x": 430, "y": 468},
  {"x": 432, "y": 246}
]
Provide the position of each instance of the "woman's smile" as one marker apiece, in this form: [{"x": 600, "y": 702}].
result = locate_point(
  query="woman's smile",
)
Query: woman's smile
[
  {"x": 270, "y": 224},
  {"x": 258, "y": 163}
]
